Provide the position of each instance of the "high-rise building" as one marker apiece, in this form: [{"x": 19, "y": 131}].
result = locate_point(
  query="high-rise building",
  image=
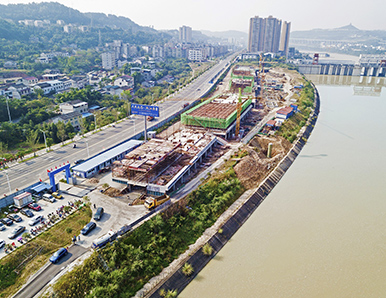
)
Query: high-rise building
[
  {"x": 264, "y": 34},
  {"x": 284, "y": 38},
  {"x": 185, "y": 34},
  {"x": 109, "y": 60}
]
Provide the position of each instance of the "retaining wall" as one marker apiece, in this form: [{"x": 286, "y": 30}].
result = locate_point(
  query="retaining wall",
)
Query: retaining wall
[{"x": 178, "y": 281}]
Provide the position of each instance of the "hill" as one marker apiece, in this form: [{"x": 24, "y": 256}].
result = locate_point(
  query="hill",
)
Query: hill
[{"x": 54, "y": 11}]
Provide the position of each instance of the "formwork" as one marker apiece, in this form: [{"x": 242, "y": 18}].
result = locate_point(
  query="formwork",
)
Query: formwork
[{"x": 213, "y": 115}]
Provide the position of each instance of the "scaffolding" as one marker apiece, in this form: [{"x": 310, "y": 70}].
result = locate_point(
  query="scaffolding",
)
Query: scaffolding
[{"x": 189, "y": 118}]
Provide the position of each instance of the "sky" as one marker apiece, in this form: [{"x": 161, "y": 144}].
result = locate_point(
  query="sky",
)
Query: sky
[{"x": 223, "y": 15}]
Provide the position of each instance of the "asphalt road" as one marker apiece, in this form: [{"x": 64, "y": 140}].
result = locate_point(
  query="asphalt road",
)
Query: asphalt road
[
  {"x": 29, "y": 172},
  {"x": 49, "y": 272}
]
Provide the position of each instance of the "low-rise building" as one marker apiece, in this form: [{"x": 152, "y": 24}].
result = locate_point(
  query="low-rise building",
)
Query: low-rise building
[
  {"x": 124, "y": 81},
  {"x": 30, "y": 81},
  {"x": 74, "y": 118},
  {"x": 73, "y": 106},
  {"x": 284, "y": 113}
]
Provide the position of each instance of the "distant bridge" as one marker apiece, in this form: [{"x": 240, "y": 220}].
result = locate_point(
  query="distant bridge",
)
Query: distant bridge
[{"x": 343, "y": 69}]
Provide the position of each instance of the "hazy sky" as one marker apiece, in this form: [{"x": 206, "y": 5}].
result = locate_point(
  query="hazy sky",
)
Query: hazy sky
[{"x": 221, "y": 15}]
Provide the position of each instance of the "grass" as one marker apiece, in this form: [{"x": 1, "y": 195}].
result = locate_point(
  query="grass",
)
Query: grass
[{"x": 18, "y": 266}]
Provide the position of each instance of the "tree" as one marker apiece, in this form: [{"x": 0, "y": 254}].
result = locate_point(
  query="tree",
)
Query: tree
[
  {"x": 31, "y": 139},
  {"x": 61, "y": 131},
  {"x": 50, "y": 142}
]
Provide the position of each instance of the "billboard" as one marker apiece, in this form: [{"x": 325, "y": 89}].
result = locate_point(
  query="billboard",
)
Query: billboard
[{"x": 144, "y": 110}]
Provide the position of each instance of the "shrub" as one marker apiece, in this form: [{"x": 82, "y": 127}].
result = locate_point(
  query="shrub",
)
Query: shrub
[
  {"x": 207, "y": 249},
  {"x": 68, "y": 230},
  {"x": 187, "y": 269}
]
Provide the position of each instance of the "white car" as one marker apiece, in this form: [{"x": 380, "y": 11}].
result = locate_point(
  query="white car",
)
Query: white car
[
  {"x": 2, "y": 227},
  {"x": 47, "y": 197},
  {"x": 2, "y": 243},
  {"x": 35, "y": 220}
]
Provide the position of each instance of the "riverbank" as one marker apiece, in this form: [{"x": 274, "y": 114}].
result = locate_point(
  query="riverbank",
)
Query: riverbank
[{"x": 228, "y": 223}]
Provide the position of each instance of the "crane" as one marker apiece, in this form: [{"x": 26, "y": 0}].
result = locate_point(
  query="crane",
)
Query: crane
[
  {"x": 239, "y": 107},
  {"x": 261, "y": 77}
]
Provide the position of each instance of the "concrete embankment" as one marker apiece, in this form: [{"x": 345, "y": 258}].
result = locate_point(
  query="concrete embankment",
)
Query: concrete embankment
[{"x": 177, "y": 280}]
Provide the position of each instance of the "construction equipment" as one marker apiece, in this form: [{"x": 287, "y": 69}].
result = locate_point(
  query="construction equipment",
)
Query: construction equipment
[
  {"x": 239, "y": 107},
  {"x": 151, "y": 203}
]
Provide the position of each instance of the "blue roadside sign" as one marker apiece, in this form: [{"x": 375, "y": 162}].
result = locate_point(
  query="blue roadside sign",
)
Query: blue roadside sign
[{"x": 144, "y": 110}]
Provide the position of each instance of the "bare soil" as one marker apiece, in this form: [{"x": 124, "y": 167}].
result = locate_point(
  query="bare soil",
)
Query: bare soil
[{"x": 254, "y": 167}]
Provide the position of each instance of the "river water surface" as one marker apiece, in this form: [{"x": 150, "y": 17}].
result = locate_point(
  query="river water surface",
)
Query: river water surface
[{"x": 322, "y": 230}]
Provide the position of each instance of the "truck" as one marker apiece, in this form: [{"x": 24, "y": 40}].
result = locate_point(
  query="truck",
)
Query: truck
[
  {"x": 103, "y": 240},
  {"x": 23, "y": 200},
  {"x": 151, "y": 203}
]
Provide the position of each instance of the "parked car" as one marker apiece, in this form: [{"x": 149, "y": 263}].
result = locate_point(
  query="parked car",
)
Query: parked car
[
  {"x": 16, "y": 231},
  {"x": 79, "y": 161},
  {"x": 36, "y": 220},
  {"x": 14, "y": 217},
  {"x": 88, "y": 228},
  {"x": 2, "y": 243},
  {"x": 6, "y": 221},
  {"x": 47, "y": 197},
  {"x": 2, "y": 226},
  {"x": 98, "y": 214},
  {"x": 35, "y": 207},
  {"x": 27, "y": 212},
  {"x": 58, "y": 255},
  {"x": 57, "y": 195},
  {"x": 13, "y": 208}
]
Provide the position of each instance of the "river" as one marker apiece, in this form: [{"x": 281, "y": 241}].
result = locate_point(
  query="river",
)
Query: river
[{"x": 321, "y": 232}]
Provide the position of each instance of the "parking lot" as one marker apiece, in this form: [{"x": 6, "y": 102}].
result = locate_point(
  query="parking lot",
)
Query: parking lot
[{"x": 116, "y": 214}]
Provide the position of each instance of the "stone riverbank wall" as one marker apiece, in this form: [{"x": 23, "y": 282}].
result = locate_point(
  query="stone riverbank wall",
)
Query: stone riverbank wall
[{"x": 172, "y": 278}]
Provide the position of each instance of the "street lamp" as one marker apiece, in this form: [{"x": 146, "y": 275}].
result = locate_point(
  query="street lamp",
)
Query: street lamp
[
  {"x": 9, "y": 113},
  {"x": 9, "y": 184},
  {"x": 95, "y": 122},
  {"x": 44, "y": 135},
  {"x": 88, "y": 152}
]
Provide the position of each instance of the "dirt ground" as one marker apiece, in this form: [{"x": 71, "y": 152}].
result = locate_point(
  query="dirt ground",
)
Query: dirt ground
[{"x": 254, "y": 167}]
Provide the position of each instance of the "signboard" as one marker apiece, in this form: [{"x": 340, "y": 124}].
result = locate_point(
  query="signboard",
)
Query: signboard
[{"x": 144, "y": 110}]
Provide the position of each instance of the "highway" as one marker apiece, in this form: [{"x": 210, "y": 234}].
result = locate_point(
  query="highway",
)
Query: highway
[
  {"x": 49, "y": 272},
  {"x": 26, "y": 173}
]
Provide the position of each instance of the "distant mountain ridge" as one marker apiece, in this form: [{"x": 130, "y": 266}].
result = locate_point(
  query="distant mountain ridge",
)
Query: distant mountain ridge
[
  {"x": 348, "y": 32},
  {"x": 54, "y": 11}
]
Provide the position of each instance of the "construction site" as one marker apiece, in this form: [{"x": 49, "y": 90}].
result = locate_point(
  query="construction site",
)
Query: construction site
[
  {"x": 162, "y": 165},
  {"x": 168, "y": 161}
]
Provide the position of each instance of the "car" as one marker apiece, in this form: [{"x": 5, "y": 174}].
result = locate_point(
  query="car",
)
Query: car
[
  {"x": 88, "y": 228},
  {"x": 13, "y": 208},
  {"x": 35, "y": 207},
  {"x": 58, "y": 255},
  {"x": 57, "y": 195},
  {"x": 2, "y": 226},
  {"x": 14, "y": 217},
  {"x": 79, "y": 161},
  {"x": 36, "y": 220},
  {"x": 27, "y": 212},
  {"x": 2, "y": 243},
  {"x": 6, "y": 221},
  {"x": 98, "y": 214},
  {"x": 47, "y": 197},
  {"x": 16, "y": 231}
]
